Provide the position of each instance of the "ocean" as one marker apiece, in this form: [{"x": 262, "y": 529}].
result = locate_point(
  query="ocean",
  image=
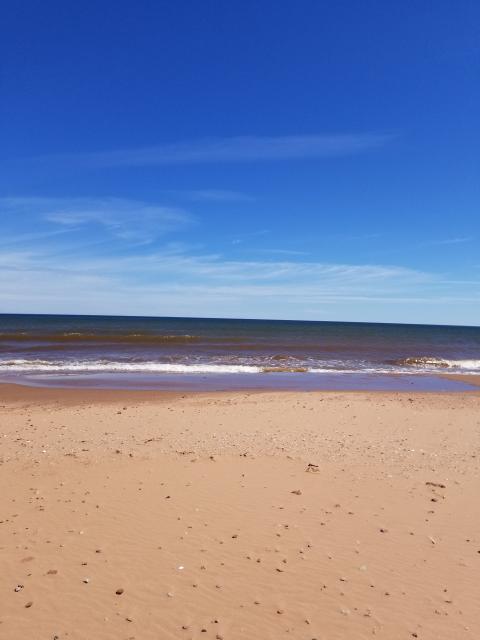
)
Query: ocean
[{"x": 191, "y": 353}]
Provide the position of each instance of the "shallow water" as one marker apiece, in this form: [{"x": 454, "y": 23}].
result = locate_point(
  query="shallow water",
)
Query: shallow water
[{"x": 212, "y": 353}]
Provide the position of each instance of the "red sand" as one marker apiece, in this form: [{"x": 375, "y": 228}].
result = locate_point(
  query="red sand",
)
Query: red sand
[{"x": 203, "y": 513}]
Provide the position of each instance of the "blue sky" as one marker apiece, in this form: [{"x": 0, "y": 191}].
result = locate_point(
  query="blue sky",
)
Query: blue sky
[{"x": 304, "y": 160}]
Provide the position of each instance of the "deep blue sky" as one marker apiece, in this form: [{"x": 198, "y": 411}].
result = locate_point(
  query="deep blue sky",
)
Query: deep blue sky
[{"x": 300, "y": 159}]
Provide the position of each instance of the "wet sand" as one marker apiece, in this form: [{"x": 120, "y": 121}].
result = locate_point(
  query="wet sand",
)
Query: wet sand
[
  {"x": 468, "y": 379},
  {"x": 320, "y": 515}
]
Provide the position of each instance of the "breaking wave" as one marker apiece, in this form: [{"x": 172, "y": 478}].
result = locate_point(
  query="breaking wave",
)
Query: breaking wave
[
  {"x": 126, "y": 367},
  {"x": 425, "y": 362},
  {"x": 411, "y": 365}
]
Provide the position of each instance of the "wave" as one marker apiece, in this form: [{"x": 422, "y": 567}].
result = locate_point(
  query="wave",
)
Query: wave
[
  {"x": 285, "y": 370},
  {"x": 280, "y": 349},
  {"x": 426, "y": 362},
  {"x": 46, "y": 366},
  {"x": 101, "y": 338},
  {"x": 122, "y": 367},
  {"x": 413, "y": 366}
]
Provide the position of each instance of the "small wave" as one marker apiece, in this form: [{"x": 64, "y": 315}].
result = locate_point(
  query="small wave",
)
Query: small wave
[
  {"x": 285, "y": 370},
  {"x": 411, "y": 366},
  {"x": 101, "y": 338},
  {"x": 121, "y": 367},
  {"x": 426, "y": 362}
]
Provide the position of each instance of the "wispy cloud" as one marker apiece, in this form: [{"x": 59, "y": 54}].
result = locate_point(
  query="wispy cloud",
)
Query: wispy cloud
[
  {"x": 243, "y": 237},
  {"x": 446, "y": 241},
  {"x": 9, "y": 240},
  {"x": 280, "y": 252},
  {"x": 131, "y": 220},
  {"x": 234, "y": 149},
  {"x": 212, "y": 195},
  {"x": 96, "y": 255},
  {"x": 174, "y": 281}
]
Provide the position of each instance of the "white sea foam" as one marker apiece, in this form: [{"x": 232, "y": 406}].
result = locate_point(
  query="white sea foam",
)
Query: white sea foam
[
  {"x": 433, "y": 365},
  {"x": 122, "y": 367},
  {"x": 471, "y": 365}
]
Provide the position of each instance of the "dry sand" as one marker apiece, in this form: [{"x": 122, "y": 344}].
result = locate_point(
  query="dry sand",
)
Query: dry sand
[{"x": 156, "y": 516}]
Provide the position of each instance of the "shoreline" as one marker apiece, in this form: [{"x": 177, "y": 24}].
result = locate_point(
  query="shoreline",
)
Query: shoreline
[
  {"x": 383, "y": 383},
  {"x": 472, "y": 379},
  {"x": 67, "y": 396}
]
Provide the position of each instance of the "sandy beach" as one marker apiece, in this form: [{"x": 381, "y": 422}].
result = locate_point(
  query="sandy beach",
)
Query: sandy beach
[{"x": 146, "y": 515}]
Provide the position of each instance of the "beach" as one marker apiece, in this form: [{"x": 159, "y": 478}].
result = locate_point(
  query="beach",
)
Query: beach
[
  {"x": 238, "y": 515},
  {"x": 240, "y": 321}
]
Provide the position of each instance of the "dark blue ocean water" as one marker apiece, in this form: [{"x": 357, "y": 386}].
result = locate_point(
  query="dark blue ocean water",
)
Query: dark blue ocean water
[{"x": 218, "y": 353}]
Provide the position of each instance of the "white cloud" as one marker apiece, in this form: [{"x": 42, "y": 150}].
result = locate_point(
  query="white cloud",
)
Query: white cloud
[
  {"x": 132, "y": 220},
  {"x": 212, "y": 195},
  {"x": 234, "y": 149},
  {"x": 446, "y": 241},
  {"x": 55, "y": 267},
  {"x": 280, "y": 252},
  {"x": 172, "y": 282}
]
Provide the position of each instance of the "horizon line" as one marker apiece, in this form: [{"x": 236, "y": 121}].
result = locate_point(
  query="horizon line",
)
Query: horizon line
[{"x": 103, "y": 315}]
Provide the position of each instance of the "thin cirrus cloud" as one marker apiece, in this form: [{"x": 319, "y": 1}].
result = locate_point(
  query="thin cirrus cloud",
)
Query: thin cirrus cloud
[
  {"x": 155, "y": 271},
  {"x": 234, "y": 149},
  {"x": 123, "y": 218},
  {"x": 213, "y": 195},
  {"x": 178, "y": 281},
  {"x": 447, "y": 241}
]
